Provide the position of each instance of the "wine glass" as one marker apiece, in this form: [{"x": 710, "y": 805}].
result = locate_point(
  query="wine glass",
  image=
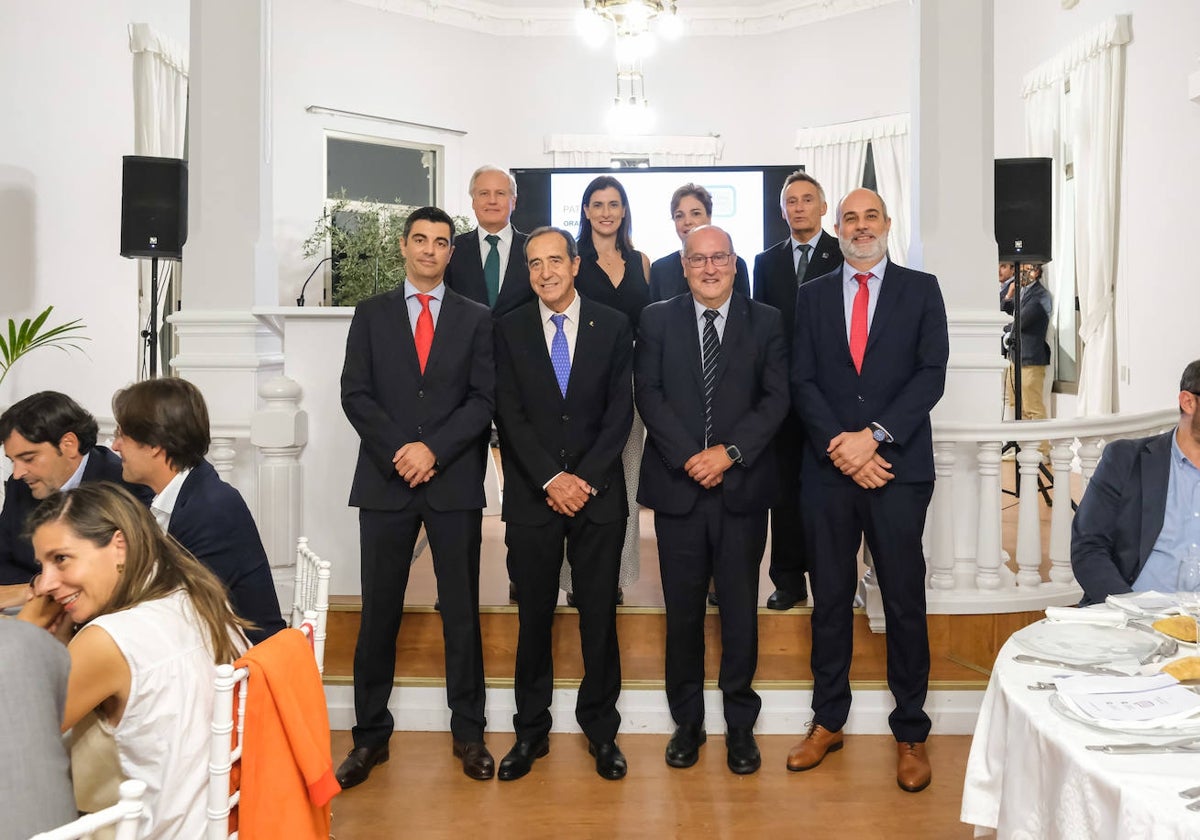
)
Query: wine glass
[{"x": 1187, "y": 588}]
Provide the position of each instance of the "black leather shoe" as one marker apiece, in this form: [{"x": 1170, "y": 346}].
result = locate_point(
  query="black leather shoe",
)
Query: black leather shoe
[
  {"x": 782, "y": 599},
  {"x": 742, "y": 755},
  {"x": 357, "y": 766},
  {"x": 610, "y": 761},
  {"x": 683, "y": 750},
  {"x": 477, "y": 762},
  {"x": 520, "y": 758}
]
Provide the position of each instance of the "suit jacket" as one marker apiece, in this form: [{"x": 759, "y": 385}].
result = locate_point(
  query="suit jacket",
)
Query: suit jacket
[
  {"x": 667, "y": 279},
  {"x": 389, "y": 402},
  {"x": 17, "y": 564},
  {"x": 903, "y": 373},
  {"x": 749, "y": 403},
  {"x": 543, "y": 433},
  {"x": 211, "y": 520},
  {"x": 775, "y": 275},
  {"x": 1035, "y": 321},
  {"x": 465, "y": 273},
  {"x": 1120, "y": 516}
]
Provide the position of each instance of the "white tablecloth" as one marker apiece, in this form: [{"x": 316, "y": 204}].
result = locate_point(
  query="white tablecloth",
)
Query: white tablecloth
[{"x": 1029, "y": 776}]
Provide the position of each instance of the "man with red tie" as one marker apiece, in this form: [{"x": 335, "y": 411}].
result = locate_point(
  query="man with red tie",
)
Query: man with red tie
[
  {"x": 418, "y": 386},
  {"x": 868, "y": 365}
]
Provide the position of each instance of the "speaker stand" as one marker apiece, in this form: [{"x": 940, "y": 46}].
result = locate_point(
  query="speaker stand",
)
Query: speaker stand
[{"x": 152, "y": 333}]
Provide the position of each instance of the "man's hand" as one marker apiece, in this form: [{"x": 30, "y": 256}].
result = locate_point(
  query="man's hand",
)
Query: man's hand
[
  {"x": 414, "y": 463},
  {"x": 45, "y": 612},
  {"x": 15, "y": 595},
  {"x": 850, "y": 451},
  {"x": 874, "y": 473},
  {"x": 707, "y": 467},
  {"x": 1009, "y": 294},
  {"x": 567, "y": 494}
]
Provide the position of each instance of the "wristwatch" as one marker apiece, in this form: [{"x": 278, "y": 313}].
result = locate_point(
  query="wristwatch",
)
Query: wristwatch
[
  {"x": 880, "y": 434},
  {"x": 734, "y": 453}
]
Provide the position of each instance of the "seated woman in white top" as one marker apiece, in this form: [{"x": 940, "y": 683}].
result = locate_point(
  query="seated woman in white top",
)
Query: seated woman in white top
[{"x": 156, "y": 623}]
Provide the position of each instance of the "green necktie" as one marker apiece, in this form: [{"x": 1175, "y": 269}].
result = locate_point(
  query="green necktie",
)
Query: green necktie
[{"x": 491, "y": 269}]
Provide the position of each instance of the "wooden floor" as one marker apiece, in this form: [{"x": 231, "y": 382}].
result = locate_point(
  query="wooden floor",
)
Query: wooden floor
[{"x": 422, "y": 792}]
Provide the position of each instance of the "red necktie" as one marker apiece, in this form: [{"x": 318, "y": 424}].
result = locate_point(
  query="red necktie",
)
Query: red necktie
[
  {"x": 424, "y": 334},
  {"x": 858, "y": 321}
]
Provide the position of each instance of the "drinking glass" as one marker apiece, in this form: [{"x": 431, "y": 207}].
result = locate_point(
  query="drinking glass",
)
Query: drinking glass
[{"x": 1188, "y": 585}]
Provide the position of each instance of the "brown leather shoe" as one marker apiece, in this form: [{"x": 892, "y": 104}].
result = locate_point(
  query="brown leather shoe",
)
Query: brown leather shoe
[
  {"x": 912, "y": 766},
  {"x": 812, "y": 750},
  {"x": 477, "y": 762}
]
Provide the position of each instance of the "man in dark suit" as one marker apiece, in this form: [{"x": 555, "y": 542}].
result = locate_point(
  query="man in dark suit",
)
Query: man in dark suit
[
  {"x": 564, "y": 407},
  {"x": 691, "y": 207},
  {"x": 710, "y": 378},
  {"x": 868, "y": 366},
  {"x": 488, "y": 264},
  {"x": 778, "y": 272},
  {"x": 1137, "y": 519},
  {"x": 51, "y": 442},
  {"x": 162, "y": 437},
  {"x": 418, "y": 386}
]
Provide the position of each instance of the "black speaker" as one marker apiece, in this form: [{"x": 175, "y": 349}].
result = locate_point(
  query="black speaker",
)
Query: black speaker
[
  {"x": 153, "y": 207},
  {"x": 1023, "y": 209}
]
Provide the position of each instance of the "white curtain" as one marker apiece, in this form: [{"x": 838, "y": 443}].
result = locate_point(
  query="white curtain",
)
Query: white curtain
[
  {"x": 1094, "y": 68},
  {"x": 837, "y": 154},
  {"x": 160, "y": 85},
  {"x": 591, "y": 150}
]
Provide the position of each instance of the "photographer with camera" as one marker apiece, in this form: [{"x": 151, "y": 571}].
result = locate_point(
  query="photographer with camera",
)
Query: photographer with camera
[{"x": 1035, "y": 352}]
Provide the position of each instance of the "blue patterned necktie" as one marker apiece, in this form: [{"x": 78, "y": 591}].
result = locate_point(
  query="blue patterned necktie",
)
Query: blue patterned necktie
[
  {"x": 491, "y": 269},
  {"x": 560, "y": 356},
  {"x": 710, "y": 355}
]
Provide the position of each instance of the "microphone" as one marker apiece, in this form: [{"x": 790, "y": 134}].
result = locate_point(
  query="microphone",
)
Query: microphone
[{"x": 300, "y": 300}]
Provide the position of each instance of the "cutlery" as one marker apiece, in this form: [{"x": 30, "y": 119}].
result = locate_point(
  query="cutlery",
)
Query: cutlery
[
  {"x": 1193, "y": 806},
  {"x": 1047, "y": 686},
  {"x": 1070, "y": 666},
  {"x": 1166, "y": 647},
  {"x": 1186, "y": 745},
  {"x": 1190, "y": 793}
]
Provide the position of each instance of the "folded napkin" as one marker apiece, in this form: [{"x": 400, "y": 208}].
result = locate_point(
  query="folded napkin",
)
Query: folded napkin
[
  {"x": 1145, "y": 604},
  {"x": 1097, "y": 614}
]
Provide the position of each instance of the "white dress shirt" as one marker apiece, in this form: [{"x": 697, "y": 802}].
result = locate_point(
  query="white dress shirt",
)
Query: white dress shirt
[
  {"x": 812, "y": 249},
  {"x": 414, "y": 305},
  {"x": 503, "y": 248},
  {"x": 850, "y": 289},
  {"x": 76, "y": 477},
  {"x": 570, "y": 325},
  {"x": 163, "y": 504},
  {"x": 718, "y": 322}
]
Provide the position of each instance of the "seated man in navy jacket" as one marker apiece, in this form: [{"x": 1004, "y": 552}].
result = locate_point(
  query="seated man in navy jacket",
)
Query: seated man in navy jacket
[
  {"x": 51, "y": 442},
  {"x": 1138, "y": 516},
  {"x": 162, "y": 436}
]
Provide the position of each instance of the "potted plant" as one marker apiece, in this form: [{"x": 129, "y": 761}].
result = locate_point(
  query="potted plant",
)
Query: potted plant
[
  {"x": 22, "y": 340},
  {"x": 364, "y": 241}
]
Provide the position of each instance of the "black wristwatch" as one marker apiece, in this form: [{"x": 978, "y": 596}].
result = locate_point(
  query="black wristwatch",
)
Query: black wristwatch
[{"x": 734, "y": 453}]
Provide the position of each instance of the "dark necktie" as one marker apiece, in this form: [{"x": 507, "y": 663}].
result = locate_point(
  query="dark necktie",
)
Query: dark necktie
[
  {"x": 710, "y": 354},
  {"x": 560, "y": 355},
  {"x": 802, "y": 263},
  {"x": 491, "y": 269},
  {"x": 858, "y": 321},
  {"x": 423, "y": 336}
]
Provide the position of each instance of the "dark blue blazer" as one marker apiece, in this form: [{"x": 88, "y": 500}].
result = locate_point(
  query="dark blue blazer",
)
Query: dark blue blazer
[
  {"x": 543, "y": 433},
  {"x": 465, "y": 273},
  {"x": 17, "y": 564},
  {"x": 1120, "y": 516},
  {"x": 667, "y": 279},
  {"x": 211, "y": 520},
  {"x": 390, "y": 402},
  {"x": 775, "y": 275},
  {"x": 749, "y": 403},
  {"x": 903, "y": 373}
]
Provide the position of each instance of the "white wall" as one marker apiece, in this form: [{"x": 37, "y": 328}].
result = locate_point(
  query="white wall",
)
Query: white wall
[
  {"x": 1157, "y": 296},
  {"x": 67, "y": 108}
]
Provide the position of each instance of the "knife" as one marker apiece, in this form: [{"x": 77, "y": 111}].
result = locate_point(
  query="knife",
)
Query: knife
[
  {"x": 1184, "y": 745},
  {"x": 1070, "y": 666}
]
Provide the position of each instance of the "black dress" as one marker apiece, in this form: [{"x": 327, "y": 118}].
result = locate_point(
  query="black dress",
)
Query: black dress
[{"x": 630, "y": 297}]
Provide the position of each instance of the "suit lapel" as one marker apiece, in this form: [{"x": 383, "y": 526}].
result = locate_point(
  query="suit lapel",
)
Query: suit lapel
[
  {"x": 445, "y": 330},
  {"x": 1156, "y": 473},
  {"x": 891, "y": 295},
  {"x": 737, "y": 325},
  {"x": 399, "y": 317},
  {"x": 535, "y": 335},
  {"x": 514, "y": 283},
  {"x": 585, "y": 350},
  {"x": 689, "y": 342}
]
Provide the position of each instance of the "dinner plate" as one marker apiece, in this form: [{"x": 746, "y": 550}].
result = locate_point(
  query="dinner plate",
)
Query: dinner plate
[
  {"x": 1085, "y": 644},
  {"x": 1150, "y": 729}
]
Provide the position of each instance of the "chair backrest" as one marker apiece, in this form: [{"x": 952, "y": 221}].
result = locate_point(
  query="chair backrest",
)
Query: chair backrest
[
  {"x": 224, "y": 752},
  {"x": 310, "y": 600},
  {"x": 125, "y": 816}
]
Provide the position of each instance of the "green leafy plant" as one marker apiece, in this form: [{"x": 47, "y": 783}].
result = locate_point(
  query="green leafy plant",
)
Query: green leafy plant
[
  {"x": 23, "y": 340},
  {"x": 364, "y": 239}
]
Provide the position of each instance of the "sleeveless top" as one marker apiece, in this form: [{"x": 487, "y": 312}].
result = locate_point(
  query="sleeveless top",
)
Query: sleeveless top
[
  {"x": 630, "y": 297},
  {"x": 164, "y": 735}
]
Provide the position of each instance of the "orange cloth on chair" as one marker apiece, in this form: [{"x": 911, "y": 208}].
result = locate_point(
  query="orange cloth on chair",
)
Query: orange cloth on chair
[{"x": 287, "y": 777}]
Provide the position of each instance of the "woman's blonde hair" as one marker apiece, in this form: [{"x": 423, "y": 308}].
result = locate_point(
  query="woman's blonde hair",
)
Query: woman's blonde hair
[{"x": 155, "y": 564}]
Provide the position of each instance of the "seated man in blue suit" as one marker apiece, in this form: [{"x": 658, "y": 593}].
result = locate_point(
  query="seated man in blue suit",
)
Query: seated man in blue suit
[
  {"x": 162, "y": 436},
  {"x": 1138, "y": 516},
  {"x": 51, "y": 442}
]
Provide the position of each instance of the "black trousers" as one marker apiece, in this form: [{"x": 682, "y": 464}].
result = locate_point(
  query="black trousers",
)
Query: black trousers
[
  {"x": 836, "y": 516},
  {"x": 535, "y": 554},
  {"x": 789, "y": 550},
  {"x": 711, "y": 542},
  {"x": 386, "y": 540}
]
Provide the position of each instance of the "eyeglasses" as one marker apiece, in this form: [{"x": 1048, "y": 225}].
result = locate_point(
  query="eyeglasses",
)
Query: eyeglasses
[{"x": 719, "y": 260}]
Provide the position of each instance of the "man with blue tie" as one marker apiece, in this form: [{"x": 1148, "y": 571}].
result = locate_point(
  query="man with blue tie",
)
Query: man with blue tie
[
  {"x": 564, "y": 407},
  {"x": 868, "y": 366}
]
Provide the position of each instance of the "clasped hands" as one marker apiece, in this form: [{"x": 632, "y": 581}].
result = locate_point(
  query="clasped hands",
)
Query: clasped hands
[
  {"x": 415, "y": 463},
  {"x": 567, "y": 494},
  {"x": 856, "y": 455},
  {"x": 707, "y": 467},
  {"x": 43, "y": 611}
]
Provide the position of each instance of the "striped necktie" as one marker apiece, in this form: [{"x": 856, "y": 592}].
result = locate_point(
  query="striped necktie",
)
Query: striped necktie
[{"x": 710, "y": 355}]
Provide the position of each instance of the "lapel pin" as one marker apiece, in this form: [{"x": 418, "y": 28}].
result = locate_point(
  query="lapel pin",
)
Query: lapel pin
[
  {"x": 824, "y": 255},
  {"x": 591, "y": 323}
]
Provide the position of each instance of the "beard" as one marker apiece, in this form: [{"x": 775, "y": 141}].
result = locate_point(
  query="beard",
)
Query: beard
[{"x": 872, "y": 251}]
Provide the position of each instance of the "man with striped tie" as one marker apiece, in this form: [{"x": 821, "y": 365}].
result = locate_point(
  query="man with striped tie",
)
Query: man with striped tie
[
  {"x": 710, "y": 377},
  {"x": 564, "y": 407}
]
